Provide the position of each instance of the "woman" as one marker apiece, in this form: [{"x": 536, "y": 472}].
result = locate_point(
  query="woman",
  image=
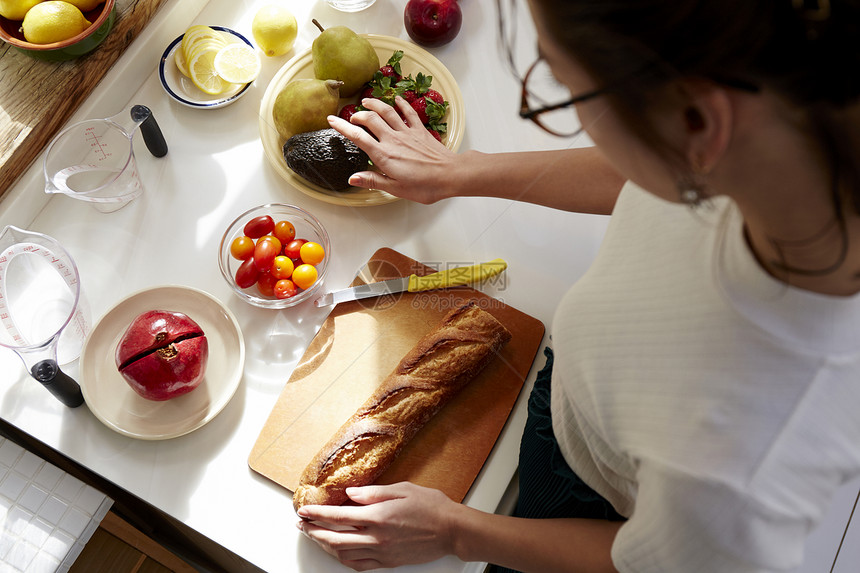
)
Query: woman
[{"x": 703, "y": 399}]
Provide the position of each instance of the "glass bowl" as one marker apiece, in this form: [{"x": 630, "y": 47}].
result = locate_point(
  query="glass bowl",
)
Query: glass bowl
[
  {"x": 307, "y": 227},
  {"x": 102, "y": 17}
]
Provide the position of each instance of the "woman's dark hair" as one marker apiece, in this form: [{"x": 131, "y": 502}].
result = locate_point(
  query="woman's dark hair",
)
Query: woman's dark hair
[{"x": 807, "y": 51}]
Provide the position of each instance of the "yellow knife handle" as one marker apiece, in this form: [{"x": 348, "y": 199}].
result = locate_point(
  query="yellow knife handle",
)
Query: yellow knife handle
[{"x": 457, "y": 276}]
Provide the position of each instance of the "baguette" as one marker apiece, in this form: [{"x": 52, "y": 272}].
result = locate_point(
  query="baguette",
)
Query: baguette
[{"x": 430, "y": 374}]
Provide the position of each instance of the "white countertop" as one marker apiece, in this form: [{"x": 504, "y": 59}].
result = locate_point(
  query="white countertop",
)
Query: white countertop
[{"x": 216, "y": 169}]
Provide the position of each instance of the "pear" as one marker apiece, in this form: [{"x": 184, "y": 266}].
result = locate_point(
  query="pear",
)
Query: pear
[
  {"x": 304, "y": 104},
  {"x": 341, "y": 54}
]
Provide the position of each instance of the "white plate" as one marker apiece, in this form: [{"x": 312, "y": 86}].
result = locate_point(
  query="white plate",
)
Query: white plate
[
  {"x": 184, "y": 91},
  {"x": 120, "y": 408},
  {"x": 415, "y": 59}
]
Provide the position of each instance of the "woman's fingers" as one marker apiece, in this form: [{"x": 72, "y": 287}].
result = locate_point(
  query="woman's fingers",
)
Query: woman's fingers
[
  {"x": 370, "y": 180},
  {"x": 389, "y": 113},
  {"x": 376, "y": 493},
  {"x": 335, "y": 515},
  {"x": 355, "y": 550},
  {"x": 353, "y": 132}
]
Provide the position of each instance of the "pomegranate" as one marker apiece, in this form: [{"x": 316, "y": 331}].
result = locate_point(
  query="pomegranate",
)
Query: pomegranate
[{"x": 162, "y": 355}]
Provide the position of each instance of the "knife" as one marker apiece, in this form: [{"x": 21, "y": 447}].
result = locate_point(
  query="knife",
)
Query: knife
[{"x": 457, "y": 276}]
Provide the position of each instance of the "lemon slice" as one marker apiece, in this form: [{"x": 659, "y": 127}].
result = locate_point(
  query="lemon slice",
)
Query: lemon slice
[
  {"x": 206, "y": 45},
  {"x": 196, "y": 33},
  {"x": 202, "y": 71},
  {"x": 205, "y": 39},
  {"x": 181, "y": 64},
  {"x": 237, "y": 63}
]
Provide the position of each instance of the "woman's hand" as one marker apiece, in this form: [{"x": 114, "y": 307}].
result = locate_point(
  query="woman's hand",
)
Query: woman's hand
[
  {"x": 392, "y": 525},
  {"x": 412, "y": 163}
]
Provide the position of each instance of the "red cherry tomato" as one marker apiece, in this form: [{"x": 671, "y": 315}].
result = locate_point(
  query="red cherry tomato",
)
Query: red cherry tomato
[
  {"x": 312, "y": 253},
  {"x": 293, "y": 248},
  {"x": 285, "y": 288},
  {"x": 266, "y": 284},
  {"x": 242, "y": 247},
  {"x": 247, "y": 273},
  {"x": 265, "y": 251},
  {"x": 284, "y": 231},
  {"x": 305, "y": 276},
  {"x": 259, "y": 226},
  {"x": 282, "y": 267}
]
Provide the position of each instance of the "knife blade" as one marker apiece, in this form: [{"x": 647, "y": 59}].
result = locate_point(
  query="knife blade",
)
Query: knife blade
[{"x": 458, "y": 276}]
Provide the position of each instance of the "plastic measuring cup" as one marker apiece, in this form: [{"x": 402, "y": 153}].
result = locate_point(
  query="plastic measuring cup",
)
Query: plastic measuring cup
[
  {"x": 93, "y": 160},
  {"x": 40, "y": 308}
]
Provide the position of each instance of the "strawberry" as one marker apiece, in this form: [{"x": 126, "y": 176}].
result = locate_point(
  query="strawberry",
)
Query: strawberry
[
  {"x": 388, "y": 82},
  {"x": 435, "y": 134},
  {"x": 435, "y": 96},
  {"x": 347, "y": 111},
  {"x": 390, "y": 72},
  {"x": 383, "y": 88},
  {"x": 392, "y": 68},
  {"x": 420, "y": 107},
  {"x": 430, "y": 112},
  {"x": 414, "y": 88}
]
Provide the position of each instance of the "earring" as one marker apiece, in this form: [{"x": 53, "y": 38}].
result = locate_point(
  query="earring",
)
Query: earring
[
  {"x": 690, "y": 187},
  {"x": 690, "y": 195}
]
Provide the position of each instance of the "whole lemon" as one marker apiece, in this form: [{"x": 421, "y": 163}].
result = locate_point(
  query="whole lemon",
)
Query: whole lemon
[
  {"x": 16, "y": 9},
  {"x": 85, "y": 5},
  {"x": 53, "y": 21},
  {"x": 274, "y": 29}
]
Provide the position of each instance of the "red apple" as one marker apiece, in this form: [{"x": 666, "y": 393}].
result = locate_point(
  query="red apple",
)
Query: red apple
[
  {"x": 432, "y": 22},
  {"x": 162, "y": 355}
]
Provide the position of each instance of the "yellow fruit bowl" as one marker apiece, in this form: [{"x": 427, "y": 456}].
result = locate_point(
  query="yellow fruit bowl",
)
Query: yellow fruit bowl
[{"x": 102, "y": 18}]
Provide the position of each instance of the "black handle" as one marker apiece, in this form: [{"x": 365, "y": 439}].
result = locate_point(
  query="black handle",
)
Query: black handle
[
  {"x": 152, "y": 136},
  {"x": 58, "y": 383}
]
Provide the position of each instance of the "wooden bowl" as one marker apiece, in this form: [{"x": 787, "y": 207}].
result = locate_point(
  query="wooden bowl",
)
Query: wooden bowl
[{"x": 102, "y": 18}]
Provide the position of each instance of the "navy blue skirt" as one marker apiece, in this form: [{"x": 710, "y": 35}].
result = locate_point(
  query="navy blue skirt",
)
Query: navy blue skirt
[{"x": 548, "y": 487}]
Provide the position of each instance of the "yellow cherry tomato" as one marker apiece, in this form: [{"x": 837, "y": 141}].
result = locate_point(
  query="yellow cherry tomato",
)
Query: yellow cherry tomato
[
  {"x": 242, "y": 247},
  {"x": 312, "y": 253},
  {"x": 282, "y": 267},
  {"x": 304, "y": 276}
]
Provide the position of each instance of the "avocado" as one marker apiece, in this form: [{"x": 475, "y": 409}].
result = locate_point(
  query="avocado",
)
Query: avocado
[{"x": 325, "y": 158}]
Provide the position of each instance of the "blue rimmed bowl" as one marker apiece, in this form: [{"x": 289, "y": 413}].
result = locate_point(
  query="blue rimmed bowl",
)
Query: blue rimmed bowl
[{"x": 183, "y": 90}]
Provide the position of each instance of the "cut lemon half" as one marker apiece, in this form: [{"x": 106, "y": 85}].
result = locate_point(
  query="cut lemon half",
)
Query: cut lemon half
[
  {"x": 237, "y": 63},
  {"x": 202, "y": 71}
]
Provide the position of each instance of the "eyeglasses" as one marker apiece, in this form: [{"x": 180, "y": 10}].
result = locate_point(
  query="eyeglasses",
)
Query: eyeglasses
[
  {"x": 539, "y": 87},
  {"x": 555, "y": 118}
]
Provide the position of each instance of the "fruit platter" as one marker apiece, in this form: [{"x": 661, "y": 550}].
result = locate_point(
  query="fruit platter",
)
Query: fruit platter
[{"x": 415, "y": 60}]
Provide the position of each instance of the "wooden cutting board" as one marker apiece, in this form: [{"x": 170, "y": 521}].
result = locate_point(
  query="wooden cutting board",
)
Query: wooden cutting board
[
  {"x": 357, "y": 346},
  {"x": 38, "y": 97}
]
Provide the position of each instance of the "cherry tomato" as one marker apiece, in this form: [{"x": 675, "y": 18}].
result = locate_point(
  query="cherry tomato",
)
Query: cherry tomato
[
  {"x": 285, "y": 288},
  {"x": 304, "y": 276},
  {"x": 259, "y": 226},
  {"x": 265, "y": 251},
  {"x": 312, "y": 253},
  {"x": 282, "y": 267},
  {"x": 284, "y": 231},
  {"x": 247, "y": 274},
  {"x": 242, "y": 247},
  {"x": 266, "y": 284},
  {"x": 293, "y": 248}
]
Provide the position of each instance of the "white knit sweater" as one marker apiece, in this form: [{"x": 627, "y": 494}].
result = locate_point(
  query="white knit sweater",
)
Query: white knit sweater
[{"x": 714, "y": 406}]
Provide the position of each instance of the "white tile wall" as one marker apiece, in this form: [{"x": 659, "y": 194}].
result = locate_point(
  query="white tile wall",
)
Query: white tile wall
[{"x": 46, "y": 515}]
